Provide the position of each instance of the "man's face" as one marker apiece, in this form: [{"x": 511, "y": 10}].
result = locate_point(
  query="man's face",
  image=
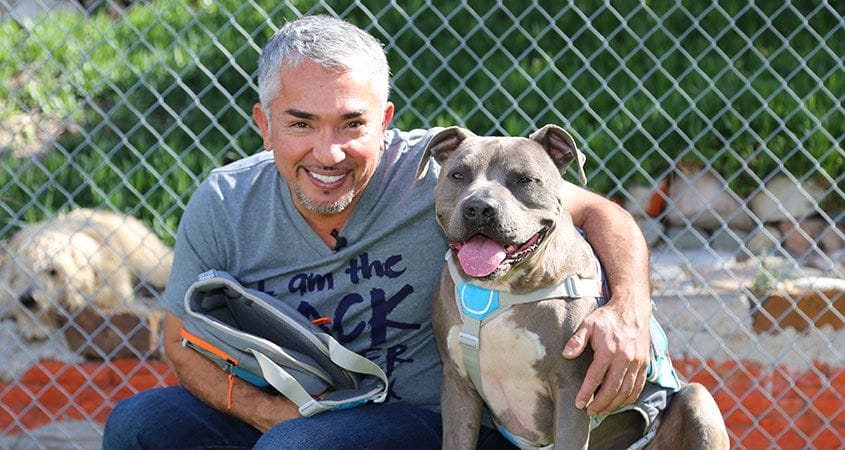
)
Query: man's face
[{"x": 326, "y": 136}]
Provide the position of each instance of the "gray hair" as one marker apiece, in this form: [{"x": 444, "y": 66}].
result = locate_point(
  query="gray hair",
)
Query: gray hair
[{"x": 332, "y": 43}]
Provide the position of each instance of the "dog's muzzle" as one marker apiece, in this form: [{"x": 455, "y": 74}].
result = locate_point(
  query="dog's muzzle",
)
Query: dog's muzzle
[
  {"x": 27, "y": 300},
  {"x": 480, "y": 213}
]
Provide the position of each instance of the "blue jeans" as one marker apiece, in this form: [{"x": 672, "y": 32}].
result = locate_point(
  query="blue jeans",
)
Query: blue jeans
[{"x": 173, "y": 418}]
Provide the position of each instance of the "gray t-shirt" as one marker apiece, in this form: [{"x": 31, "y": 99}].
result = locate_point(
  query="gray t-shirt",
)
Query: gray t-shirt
[{"x": 377, "y": 291}]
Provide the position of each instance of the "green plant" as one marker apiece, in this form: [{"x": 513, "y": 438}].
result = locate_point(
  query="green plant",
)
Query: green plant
[{"x": 163, "y": 94}]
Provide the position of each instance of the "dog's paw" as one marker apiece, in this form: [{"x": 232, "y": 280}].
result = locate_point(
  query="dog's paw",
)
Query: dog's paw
[{"x": 31, "y": 331}]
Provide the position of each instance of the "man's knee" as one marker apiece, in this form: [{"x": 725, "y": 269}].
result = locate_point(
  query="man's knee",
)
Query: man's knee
[
  {"x": 307, "y": 433},
  {"x": 172, "y": 417},
  {"x": 126, "y": 422},
  {"x": 368, "y": 426}
]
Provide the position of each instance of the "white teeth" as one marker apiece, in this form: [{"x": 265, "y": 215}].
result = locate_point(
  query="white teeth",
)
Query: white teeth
[{"x": 327, "y": 178}]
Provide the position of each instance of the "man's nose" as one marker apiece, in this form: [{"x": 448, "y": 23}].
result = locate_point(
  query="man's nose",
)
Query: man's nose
[{"x": 330, "y": 150}]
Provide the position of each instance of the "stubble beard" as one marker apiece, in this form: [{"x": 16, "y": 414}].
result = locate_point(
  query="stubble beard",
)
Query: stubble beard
[{"x": 332, "y": 207}]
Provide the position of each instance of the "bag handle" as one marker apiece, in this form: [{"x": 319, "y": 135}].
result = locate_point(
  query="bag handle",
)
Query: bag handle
[
  {"x": 287, "y": 385},
  {"x": 354, "y": 362}
]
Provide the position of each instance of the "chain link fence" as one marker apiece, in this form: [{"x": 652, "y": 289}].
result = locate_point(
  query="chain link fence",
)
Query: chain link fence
[{"x": 719, "y": 125}]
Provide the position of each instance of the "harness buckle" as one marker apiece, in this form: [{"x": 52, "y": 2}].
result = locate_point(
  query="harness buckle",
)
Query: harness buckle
[
  {"x": 468, "y": 340},
  {"x": 571, "y": 286},
  {"x": 310, "y": 408}
]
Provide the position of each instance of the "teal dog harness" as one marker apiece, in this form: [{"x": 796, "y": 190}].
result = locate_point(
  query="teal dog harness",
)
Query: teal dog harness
[{"x": 479, "y": 305}]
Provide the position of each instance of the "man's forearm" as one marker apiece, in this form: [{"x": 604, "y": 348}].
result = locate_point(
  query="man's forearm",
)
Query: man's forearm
[
  {"x": 213, "y": 386},
  {"x": 618, "y": 332},
  {"x": 622, "y": 250}
]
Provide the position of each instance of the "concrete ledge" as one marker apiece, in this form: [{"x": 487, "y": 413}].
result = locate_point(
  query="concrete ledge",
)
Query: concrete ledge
[
  {"x": 123, "y": 333},
  {"x": 800, "y": 308}
]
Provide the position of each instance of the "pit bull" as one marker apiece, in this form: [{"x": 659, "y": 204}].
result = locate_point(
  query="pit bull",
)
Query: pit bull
[{"x": 519, "y": 279}]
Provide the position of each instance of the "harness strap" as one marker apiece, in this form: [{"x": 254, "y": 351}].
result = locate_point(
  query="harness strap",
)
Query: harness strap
[
  {"x": 478, "y": 306},
  {"x": 519, "y": 441},
  {"x": 571, "y": 287},
  {"x": 469, "y": 344}
]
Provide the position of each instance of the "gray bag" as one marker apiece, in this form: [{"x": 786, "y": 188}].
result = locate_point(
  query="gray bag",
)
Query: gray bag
[{"x": 271, "y": 345}]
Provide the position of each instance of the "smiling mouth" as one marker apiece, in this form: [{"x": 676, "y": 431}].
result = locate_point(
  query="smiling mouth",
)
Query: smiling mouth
[
  {"x": 482, "y": 257},
  {"x": 327, "y": 180}
]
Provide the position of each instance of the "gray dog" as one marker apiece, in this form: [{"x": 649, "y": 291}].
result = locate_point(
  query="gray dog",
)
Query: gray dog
[{"x": 519, "y": 279}]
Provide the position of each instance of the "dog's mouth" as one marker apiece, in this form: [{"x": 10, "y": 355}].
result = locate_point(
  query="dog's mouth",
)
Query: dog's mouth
[{"x": 482, "y": 257}]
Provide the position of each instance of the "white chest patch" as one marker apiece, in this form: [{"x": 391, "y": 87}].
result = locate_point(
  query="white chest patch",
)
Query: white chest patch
[{"x": 507, "y": 356}]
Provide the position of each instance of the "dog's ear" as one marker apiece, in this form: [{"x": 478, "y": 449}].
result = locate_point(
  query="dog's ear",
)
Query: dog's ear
[
  {"x": 441, "y": 146},
  {"x": 561, "y": 147}
]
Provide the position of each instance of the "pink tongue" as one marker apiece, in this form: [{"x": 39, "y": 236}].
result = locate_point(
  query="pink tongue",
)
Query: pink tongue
[{"x": 480, "y": 256}]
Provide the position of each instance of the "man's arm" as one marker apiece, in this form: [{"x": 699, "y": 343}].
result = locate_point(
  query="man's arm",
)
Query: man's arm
[
  {"x": 618, "y": 332},
  {"x": 210, "y": 384}
]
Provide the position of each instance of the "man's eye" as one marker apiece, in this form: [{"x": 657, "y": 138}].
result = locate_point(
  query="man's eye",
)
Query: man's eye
[
  {"x": 354, "y": 124},
  {"x": 299, "y": 125}
]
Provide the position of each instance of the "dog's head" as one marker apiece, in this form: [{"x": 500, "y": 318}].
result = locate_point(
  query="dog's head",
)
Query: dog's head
[
  {"x": 48, "y": 272},
  {"x": 499, "y": 199}
]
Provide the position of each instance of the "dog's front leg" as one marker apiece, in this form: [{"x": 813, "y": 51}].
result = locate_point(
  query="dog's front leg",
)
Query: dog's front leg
[
  {"x": 461, "y": 407},
  {"x": 572, "y": 425}
]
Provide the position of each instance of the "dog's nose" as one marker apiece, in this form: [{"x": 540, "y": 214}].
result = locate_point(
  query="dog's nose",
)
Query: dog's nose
[
  {"x": 479, "y": 212},
  {"x": 26, "y": 300}
]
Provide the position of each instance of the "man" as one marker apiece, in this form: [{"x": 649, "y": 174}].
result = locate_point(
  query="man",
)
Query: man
[{"x": 332, "y": 221}]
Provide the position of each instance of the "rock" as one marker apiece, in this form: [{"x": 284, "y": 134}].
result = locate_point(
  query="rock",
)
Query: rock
[
  {"x": 724, "y": 239},
  {"x": 121, "y": 333},
  {"x": 645, "y": 201},
  {"x": 832, "y": 240},
  {"x": 784, "y": 199},
  {"x": 799, "y": 238},
  {"x": 652, "y": 229},
  {"x": 801, "y": 304},
  {"x": 763, "y": 240},
  {"x": 699, "y": 197},
  {"x": 637, "y": 200},
  {"x": 684, "y": 238}
]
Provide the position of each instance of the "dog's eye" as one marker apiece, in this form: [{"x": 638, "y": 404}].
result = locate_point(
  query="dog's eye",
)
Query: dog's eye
[
  {"x": 524, "y": 179},
  {"x": 457, "y": 175},
  {"x": 52, "y": 272}
]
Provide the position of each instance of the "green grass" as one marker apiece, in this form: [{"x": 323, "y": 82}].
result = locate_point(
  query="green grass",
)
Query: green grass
[{"x": 163, "y": 95}]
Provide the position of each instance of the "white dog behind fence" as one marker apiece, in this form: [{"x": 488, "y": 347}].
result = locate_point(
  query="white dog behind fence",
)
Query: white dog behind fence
[{"x": 87, "y": 257}]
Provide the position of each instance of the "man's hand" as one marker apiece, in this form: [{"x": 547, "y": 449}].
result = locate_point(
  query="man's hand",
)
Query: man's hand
[
  {"x": 209, "y": 383},
  {"x": 621, "y": 345},
  {"x": 618, "y": 331}
]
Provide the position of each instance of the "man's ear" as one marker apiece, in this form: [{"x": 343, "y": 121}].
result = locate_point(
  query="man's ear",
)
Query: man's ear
[
  {"x": 441, "y": 146},
  {"x": 263, "y": 123},
  {"x": 389, "y": 109},
  {"x": 561, "y": 147}
]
